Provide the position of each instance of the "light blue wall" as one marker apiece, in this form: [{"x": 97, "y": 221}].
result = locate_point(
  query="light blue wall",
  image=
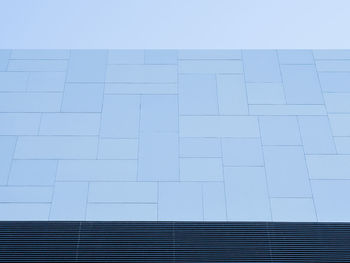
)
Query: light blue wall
[{"x": 176, "y": 135}]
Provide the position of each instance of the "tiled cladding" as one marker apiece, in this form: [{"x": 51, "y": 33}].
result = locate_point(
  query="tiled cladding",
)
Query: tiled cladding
[{"x": 218, "y": 135}]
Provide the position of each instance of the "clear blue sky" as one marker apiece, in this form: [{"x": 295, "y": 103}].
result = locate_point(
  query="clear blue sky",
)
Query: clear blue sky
[{"x": 174, "y": 24}]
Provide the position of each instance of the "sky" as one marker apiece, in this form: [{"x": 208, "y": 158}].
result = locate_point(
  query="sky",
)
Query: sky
[{"x": 174, "y": 24}]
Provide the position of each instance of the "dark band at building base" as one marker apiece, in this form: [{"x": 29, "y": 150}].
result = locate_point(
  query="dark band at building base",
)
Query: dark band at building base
[{"x": 174, "y": 242}]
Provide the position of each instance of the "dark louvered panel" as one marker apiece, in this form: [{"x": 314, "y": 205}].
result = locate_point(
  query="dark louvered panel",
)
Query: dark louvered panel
[
  {"x": 310, "y": 242},
  {"x": 126, "y": 241},
  {"x": 174, "y": 242},
  {"x": 221, "y": 242},
  {"x": 38, "y": 241}
]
